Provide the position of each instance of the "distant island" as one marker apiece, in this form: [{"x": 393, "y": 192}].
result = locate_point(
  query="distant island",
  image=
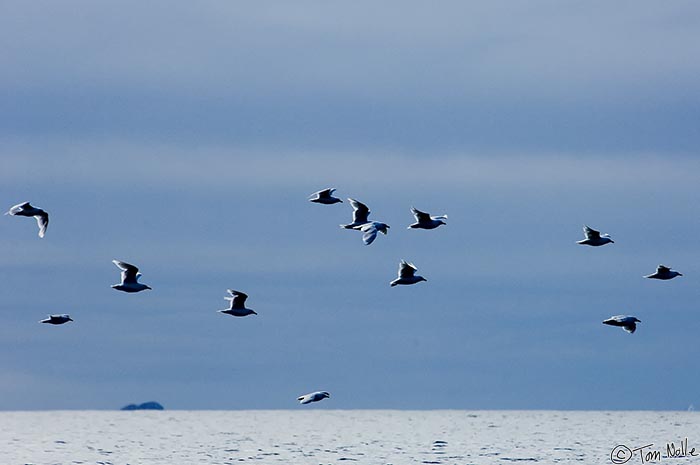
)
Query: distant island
[{"x": 144, "y": 406}]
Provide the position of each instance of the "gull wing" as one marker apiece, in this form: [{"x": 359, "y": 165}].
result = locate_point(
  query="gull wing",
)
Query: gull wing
[
  {"x": 591, "y": 233},
  {"x": 630, "y": 327},
  {"x": 662, "y": 269},
  {"x": 42, "y": 220},
  {"x": 129, "y": 272},
  {"x": 360, "y": 211},
  {"x": 18, "y": 208},
  {"x": 407, "y": 270},
  {"x": 370, "y": 233},
  {"x": 323, "y": 193},
  {"x": 237, "y": 298},
  {"x": 421, "y": 217}
]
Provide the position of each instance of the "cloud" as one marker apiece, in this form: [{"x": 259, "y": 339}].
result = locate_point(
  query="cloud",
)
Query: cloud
[
  {"x": 464, "y": 75},
  {"x": 118, "y": 166}
]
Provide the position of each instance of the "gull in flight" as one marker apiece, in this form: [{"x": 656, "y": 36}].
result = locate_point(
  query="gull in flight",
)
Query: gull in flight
[
  {"x": 663, "y": 272},
  {"x": 425, "y": 221},
  {"x": 360, "y": 213},
  {"x": 237, "y": 307},
  {"x": 25, "y": 209},
  {"x": 628, "y": 323},
  {"x": 313, "y": 397},
  {"x": 594, "y": 237},
  {"x": 130, "y": 276},
  {"x": 325, "y": 197},
  {"x": 57, "y": 319},
  {"x": 407, "y": 274}
]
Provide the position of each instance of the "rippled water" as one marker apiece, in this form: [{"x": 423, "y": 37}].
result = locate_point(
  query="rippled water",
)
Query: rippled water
[{"x": 340, "y": 437}]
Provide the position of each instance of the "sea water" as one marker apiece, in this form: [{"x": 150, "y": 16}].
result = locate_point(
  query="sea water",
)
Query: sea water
[{"x": 348, "y": 437}]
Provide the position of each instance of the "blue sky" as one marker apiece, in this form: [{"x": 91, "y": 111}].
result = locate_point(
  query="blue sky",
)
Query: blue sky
[{"x": 186, "y": 139}]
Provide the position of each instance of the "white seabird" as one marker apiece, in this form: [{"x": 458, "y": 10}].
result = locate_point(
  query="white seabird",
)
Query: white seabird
[
  {"x": 360, "y": 212},
  {"x": 360, "y": 222},
  {"x": 663, "y": 272},
  {"x": 407, "y": 274},
  {"x": 325, "y": 197},
  {"x": 370, "y": 230},
  {"x": 25, "y": 209},
  {"x": 628, "y": 323},
  {"x": 313, "y": 397},
  {"x": 237, "y": 307},
  {"x": 425, "y": 221},
  {"x": 57, "y": 319},
  {"x": 594, "y": 237},
  {"x": 130, "y": 276}
]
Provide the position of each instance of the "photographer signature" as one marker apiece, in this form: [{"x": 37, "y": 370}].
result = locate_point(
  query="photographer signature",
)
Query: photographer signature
[{"x": 647, "y": 454}]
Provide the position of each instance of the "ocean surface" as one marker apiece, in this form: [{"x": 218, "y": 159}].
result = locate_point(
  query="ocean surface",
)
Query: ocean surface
[{"x": 347, "y": 437}]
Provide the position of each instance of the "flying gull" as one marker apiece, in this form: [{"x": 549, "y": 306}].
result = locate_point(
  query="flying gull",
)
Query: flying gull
[
  {"x": 25, "y": 209},
  {"x": 628, "y": 323},
  {"x": 360, "y": 212},
  {"x": 56, "y": 319},
  {"x": 425, "y": 221},
  {"x": 325, "y": 197},
  {"x": 663, "y": 272},
  {"x": 313, "y": 397},
  {"x": 360, "y": 222},
  {"x": 594, "y": 237},
  {"x": 237, "y": 307},
  {"x": 407, "y": 274},
  {"x": 130, "y": 276}
]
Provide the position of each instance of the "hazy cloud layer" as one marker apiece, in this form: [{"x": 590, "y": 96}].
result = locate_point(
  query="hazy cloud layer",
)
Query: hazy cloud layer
[{"x": 508, "y": 75}]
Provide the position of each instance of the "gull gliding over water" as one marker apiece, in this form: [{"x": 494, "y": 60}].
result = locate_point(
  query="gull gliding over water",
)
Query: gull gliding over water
[
  {"x": 237, "y": 307},
  {"x": 407, "y": 274},
  {"x": 313, "y": 397},
  {"x": 628, "y": 323},
  {"x": 57, "y": 319},
  {"x": 425, "y": 221},
  {"x": 594, "y": 237},
  {"x": 25, "y": 209},
  {"x": 663, "y": 272},
  {"x": 130, "y": 276},
  {"x": 325, "y": 197}
]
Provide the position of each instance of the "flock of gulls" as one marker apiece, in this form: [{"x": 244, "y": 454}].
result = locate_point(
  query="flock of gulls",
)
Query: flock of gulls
[{"x": 360, "y": 222}]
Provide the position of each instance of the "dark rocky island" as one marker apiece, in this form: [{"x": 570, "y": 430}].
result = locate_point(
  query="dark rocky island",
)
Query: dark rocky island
[{"x": 144, "y": 406}]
